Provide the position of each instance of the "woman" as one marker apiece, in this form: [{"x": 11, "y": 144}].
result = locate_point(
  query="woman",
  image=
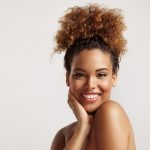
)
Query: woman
[{"x": 92, "y": 37}]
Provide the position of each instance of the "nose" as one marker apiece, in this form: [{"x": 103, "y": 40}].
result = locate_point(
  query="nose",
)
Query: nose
[{"x": 91, "y": 83}]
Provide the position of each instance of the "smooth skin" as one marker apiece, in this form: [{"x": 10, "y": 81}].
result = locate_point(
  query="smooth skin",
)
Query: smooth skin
[{"x": 101, "y": 123}]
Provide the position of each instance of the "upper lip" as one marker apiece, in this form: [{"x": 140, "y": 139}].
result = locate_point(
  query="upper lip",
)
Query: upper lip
[{"x": 91, "y": 93}]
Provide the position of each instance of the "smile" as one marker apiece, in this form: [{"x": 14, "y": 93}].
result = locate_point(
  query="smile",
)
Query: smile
[{"x": 90, "y": 97}]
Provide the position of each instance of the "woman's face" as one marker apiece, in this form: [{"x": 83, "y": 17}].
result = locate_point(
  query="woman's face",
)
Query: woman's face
[{"x": 91, "y": 78}]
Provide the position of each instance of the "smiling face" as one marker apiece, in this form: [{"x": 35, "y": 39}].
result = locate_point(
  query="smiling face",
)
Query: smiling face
[{"x": 91, "y": 78}]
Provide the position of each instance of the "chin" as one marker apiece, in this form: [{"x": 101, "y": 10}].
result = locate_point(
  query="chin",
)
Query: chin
[{"x": 91, "y": 110}]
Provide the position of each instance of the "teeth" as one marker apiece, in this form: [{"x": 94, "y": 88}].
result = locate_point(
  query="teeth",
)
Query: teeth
[{"x": 92, "y": 96}]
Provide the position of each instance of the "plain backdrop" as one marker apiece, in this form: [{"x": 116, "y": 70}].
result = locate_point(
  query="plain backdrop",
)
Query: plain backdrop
[{"x": 33, "y": 92}]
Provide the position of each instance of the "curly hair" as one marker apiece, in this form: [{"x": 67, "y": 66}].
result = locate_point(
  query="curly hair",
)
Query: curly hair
[{"x": 81, "y": 27}]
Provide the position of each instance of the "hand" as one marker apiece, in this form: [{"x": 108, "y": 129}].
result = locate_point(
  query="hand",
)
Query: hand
[
  {"x": 82, "y": 127},
  {"x": 82, "y": 116}
]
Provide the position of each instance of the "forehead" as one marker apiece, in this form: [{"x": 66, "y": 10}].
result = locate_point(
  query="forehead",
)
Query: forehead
[{"x": 92, "y": 59}]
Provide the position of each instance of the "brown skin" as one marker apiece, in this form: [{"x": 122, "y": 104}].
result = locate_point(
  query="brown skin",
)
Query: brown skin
[{"x": 101, "y": 124}]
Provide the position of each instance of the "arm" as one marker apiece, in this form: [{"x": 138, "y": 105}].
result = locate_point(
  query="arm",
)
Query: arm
[
  {"x": 83, "y": 126},
  {"x": 78, "y": 139}
]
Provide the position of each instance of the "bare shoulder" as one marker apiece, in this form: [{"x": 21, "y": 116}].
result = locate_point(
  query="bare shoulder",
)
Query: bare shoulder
[
  {"x": 112, "y": 108},
  {"x": 58, "y": 141},
  {"x": 69, "y": 130},
  {"x": 114, "y": 112},
  {"x": 62, "y": 137},
  {"x": 112, "y": 121},
  {"x": 112, "y": 104}
]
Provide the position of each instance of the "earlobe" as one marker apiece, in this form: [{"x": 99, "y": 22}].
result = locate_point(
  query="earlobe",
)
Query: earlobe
[
  {"x": 114, "y": 80},
  {"x": 114, "y": 84}
]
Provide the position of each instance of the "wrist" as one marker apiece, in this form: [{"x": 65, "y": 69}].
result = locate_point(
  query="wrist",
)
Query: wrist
[{"x": 83, "y": 127}]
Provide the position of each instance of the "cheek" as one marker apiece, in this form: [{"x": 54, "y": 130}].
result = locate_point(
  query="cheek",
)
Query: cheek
[
  {"x": 75, "y": 85},
  {"x": 106, "y": 85}
]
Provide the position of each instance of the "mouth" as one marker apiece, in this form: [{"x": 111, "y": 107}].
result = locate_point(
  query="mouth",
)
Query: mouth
[{"x": 90, "y": 97}]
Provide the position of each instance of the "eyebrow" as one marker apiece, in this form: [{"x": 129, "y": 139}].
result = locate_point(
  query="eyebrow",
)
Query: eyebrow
[{"x": 80, "y": 69}]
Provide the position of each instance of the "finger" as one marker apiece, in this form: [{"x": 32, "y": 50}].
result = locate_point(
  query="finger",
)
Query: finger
[
  {"x": 71, "y": 98},
  {"x": 71, "y": 101}
]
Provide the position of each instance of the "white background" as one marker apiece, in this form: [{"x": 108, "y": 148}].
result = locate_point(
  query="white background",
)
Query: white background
[{"x": 33, "y": 93}]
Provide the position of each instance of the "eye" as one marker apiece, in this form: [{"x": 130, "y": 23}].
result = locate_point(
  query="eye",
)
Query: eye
[
  {"x": 101, "y": 75},
  {"x": 78, "y": 75}
]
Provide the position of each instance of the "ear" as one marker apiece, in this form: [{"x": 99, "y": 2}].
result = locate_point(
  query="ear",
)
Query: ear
[
  {"x": 114, "y": 79},
  {"x": 67, "y": 79}
]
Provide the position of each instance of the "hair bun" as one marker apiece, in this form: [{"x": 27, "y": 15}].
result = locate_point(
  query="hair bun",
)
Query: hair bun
[{"x": 88, "y": 21}]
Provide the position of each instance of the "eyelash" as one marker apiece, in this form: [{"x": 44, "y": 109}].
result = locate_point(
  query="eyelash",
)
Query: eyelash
[
  {"x": 79, "y": 75},
  {"x": 101, "y": 75}
]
